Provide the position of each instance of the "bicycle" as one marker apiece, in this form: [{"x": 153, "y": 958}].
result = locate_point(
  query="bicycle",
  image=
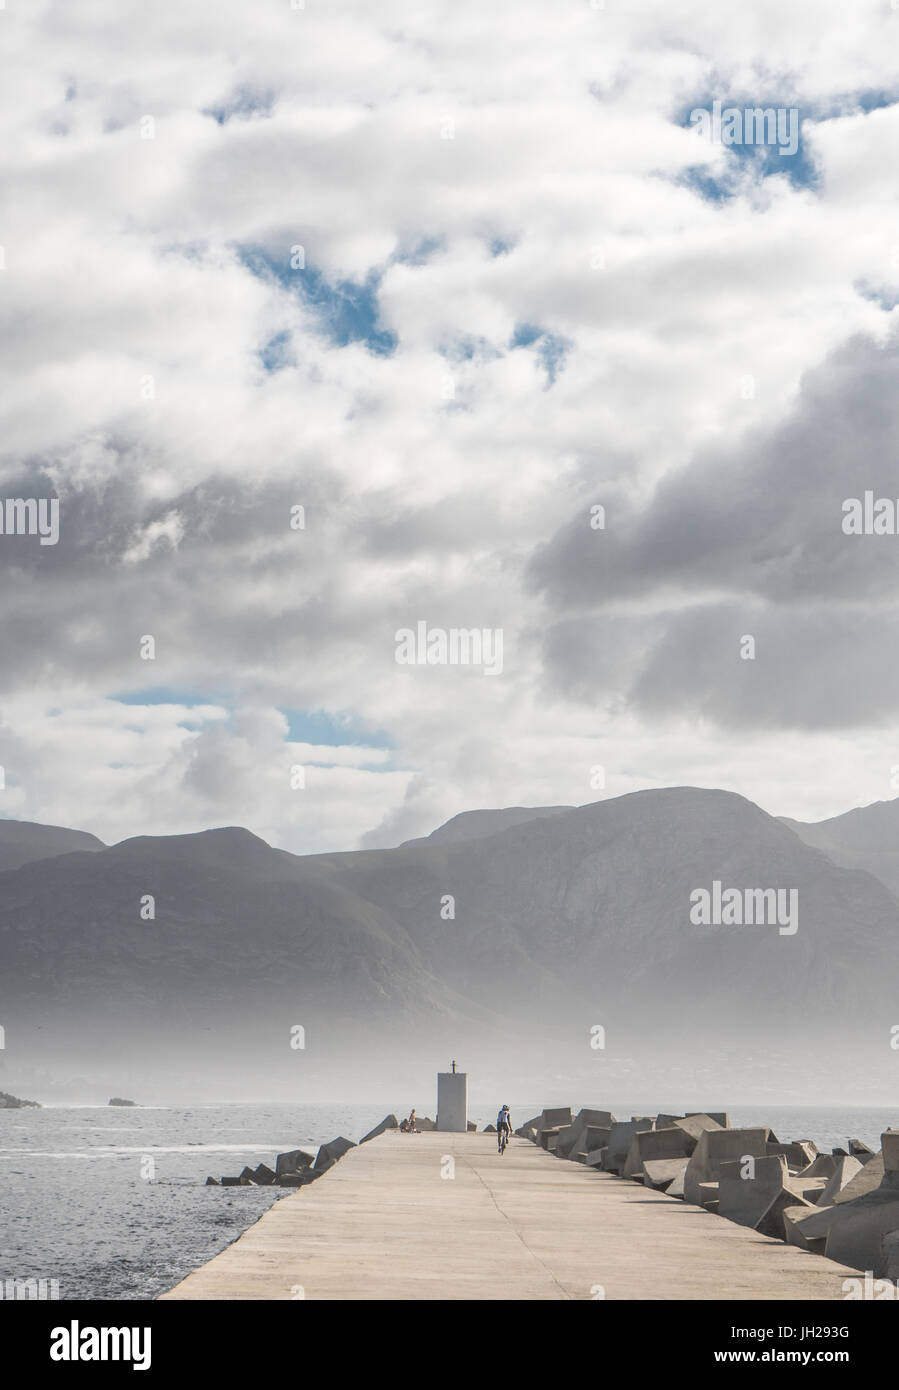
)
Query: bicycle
[{"x": 503, "y": 1140}]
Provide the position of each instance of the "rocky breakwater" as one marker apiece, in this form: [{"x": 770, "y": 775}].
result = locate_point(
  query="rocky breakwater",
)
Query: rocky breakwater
[
  {"x": 299, "y": 1167},
  {"x": 843, "y": 1205}
]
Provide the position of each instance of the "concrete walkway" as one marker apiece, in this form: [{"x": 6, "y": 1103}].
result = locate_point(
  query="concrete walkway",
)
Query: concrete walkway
[{"x": 384, "y": 1224}]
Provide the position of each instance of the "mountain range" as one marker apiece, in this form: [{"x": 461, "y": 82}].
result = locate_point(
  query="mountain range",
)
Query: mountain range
[
  {"x": 865, "y": 838},
  {"x": 548, "y": 941}
]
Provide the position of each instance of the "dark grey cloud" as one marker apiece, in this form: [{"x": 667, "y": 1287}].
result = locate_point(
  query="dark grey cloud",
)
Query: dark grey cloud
[
  {"x": 746, "y": 540},
  {"x": 762, "y": 518}
]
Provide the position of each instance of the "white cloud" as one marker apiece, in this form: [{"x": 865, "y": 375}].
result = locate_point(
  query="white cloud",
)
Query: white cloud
[{"x": 133, "y": 332}]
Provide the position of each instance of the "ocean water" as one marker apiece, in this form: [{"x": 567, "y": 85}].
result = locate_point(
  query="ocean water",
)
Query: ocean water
[{"x": 112, "y": 1203}]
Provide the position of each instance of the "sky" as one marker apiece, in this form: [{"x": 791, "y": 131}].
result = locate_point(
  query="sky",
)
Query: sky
[{"x": 326, "y": 321}]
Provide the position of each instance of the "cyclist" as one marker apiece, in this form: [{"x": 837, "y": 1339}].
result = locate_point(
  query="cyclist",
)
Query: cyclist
[{"x": 503, "y": 1125}]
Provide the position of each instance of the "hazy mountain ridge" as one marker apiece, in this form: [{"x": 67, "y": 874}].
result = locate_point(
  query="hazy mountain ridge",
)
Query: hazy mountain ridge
[
  {"x": 596, "y": 903},
  {"x": 866, "y": 837},
  {"x": 25, "y": 842},
  {"x": 559, "y": 922},
  {"x": 225, "y": 921},
  {"x": 476, "y": 825}
]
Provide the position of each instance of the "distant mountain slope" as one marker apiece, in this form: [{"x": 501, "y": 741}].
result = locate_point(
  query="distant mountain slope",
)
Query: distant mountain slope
[
  {"x": 231, "y": 918},
  {"x": 23, "y": 842},
  {"x": 592, "y": 906},
  {"x": 515, "y": 944},
  {"x": 864, "y": 838},
  {"x": 475, "y": 825}
]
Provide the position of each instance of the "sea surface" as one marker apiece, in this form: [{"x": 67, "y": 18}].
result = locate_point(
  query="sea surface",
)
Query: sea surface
[{"x": 112, "y": 1203}]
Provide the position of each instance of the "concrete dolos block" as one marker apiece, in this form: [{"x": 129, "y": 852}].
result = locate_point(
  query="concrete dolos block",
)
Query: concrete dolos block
[
  {"x": 388, "y": 1122},
  {"x": 656, "y": 1143},
  {"x": 844, "y": 1171},
  {"x": 771, "y": 1222},
  {"x": 889, "y": 1148},
  {"x": 588, "y": 1141},
  {"x": 857, "y": 1229},
  {"x": 889, "y": 1250},
  {"x": 575, "y": 1136},
  {"x": 806, "y": 1227},
  {"x": 717, "y": 1146},
  {"x": 695, "y": 1124},
  {"x": 798, "y": 1154},
  {"x": 869, "y": 1177},
  {"x": 584, "y": 1137},
  {"x": 328, "y": 1154},
  {"x": 555, "y": 1118},
  {"x": 549, "y": 1123},
  {"x": 293, "y": 1162},
  {"x": 861, "y": 1222},
  {"x": 603, "y": 1118},
  {"x": 566, "y": 1137},
  {"x": 660, "y": 1173},
  {"x": 676, "y": 1188},
  {"x": 746, "y": 1199},
  {"x": 824, "y": 1166},
  {"x": 621, "y": 1136}
]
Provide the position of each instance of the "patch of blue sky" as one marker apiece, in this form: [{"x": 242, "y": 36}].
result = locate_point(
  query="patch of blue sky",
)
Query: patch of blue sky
[
  {"x": 243, "y": 102},
  {"x": 886, "y": 298},
  {"x": 552, "y": 351},
  {"x": 525, "y": 335},
  {"x": 469, "y": 349},
  {"x": 318, "y": 727},
  {"x": 551, "y": 348},
  {"x": 165, "y": 695},
  {"x": 713, "y": 189},
  {"x": 853, "y": 103},
  {"x": 197, "y": 706},
  {"x": 420, "y": 252},
  {"x": 799, "y": 168},
  {"x": 762, "y": 146},
  {"x": 347, "y": 310},
  {"x": 340, "y": 730},
  {"x": 277, "y": 353},
  {"x": 501, "y": 246}
]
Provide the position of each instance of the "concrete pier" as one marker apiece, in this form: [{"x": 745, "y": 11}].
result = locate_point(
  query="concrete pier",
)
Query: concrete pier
[{"x": 443, "y": 1216}]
